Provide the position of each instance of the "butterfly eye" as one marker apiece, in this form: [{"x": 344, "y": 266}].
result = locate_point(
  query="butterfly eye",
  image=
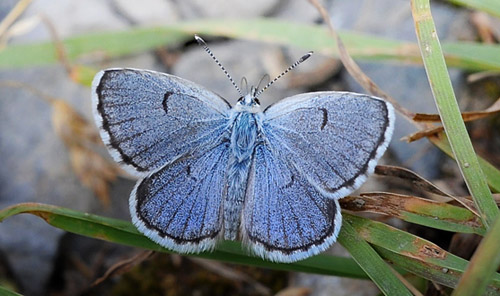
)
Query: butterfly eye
[
  {"x": 257, "y": 101},
  {"x": 240, "y": 99}
]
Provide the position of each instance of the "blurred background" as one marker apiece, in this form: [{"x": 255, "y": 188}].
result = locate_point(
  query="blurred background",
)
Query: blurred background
[{"x": 50, "y": 151}]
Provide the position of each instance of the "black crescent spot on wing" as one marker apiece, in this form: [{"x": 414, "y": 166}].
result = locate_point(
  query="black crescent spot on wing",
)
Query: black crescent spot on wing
[
  {"x": 325, "y": 118},
  {"x": 165, "y": 101}
]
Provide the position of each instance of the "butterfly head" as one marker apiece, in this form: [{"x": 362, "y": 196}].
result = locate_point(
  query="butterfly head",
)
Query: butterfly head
[{"x": 249, "y": 102}]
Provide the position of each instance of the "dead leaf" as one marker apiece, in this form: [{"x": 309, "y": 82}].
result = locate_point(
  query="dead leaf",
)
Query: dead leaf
[
  {"x": 392, "y": 204},
  {"x": 417, "y": 181},
  {"x": 467, "y": 116},
  {"x": 80, "y": 138},
  {"x": 93, "y": 170}
]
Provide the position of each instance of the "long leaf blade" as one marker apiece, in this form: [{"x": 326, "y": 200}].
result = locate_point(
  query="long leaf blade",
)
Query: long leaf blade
[
  {"x": 123, "y": 232},
  {"x": 308, "y": 37},
  {"x": 449, "y": 111}
]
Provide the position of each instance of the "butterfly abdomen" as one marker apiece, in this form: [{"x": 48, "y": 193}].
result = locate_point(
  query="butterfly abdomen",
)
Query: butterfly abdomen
[{"x": 243, "y": 139}]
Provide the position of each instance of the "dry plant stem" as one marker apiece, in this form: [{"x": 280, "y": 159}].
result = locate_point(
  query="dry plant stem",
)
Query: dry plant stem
[
  {"x": 449, "y": 111},
  {"x": 13, "y": 16},
  {"x": 123, "y": 266},
  {"x": 60, "y": 51},
  {"x": 27, "y": 87}
]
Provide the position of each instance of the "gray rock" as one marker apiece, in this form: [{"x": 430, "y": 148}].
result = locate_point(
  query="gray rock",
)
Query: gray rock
[
  {"x": 35, "y": 168},
  {"x": 220, "y": 8}
]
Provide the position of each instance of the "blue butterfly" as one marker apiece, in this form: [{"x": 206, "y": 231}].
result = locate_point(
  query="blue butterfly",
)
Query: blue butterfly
[{"x": 209, "y": 171}]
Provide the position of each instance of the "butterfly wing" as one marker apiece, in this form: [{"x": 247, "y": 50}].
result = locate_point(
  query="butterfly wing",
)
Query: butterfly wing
[
  {"x": 285, "y": 219},
  {"x": 179, "y": 206},
  {"x": 333, "y": 139},
  {"x": 148, "y": 119}
]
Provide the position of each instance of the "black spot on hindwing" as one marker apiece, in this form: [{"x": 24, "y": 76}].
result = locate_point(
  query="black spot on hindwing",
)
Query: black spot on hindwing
[
  {"x": 325, "y": 118},
  {"x": 164, "y": 103}
]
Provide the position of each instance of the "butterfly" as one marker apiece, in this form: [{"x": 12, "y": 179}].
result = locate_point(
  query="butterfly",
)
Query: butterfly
[{"x": 210, "y": 171}]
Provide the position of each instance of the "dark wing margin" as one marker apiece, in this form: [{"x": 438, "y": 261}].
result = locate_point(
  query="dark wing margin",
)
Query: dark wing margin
[
  {"x": 179, "y": 206},
  {"x": 285, "y": 219},
  {"x": 147, "y": 119},
  {"x": 334, "y": 139}
]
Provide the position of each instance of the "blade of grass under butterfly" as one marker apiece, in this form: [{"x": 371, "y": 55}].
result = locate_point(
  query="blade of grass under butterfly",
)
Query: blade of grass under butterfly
[
  {"x": 413, "y": 253},
  {"x": 376, "y": 268},
  {"x": 449, "y": 111},
  {"x": 123, "y": 232},
  {"x": 6, "y": 292}
]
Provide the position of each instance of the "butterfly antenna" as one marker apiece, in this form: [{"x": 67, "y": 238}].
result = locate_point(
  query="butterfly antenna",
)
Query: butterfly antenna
[
  {"x": 298, "y": 62},
  {"x": 205, "y": 46}
]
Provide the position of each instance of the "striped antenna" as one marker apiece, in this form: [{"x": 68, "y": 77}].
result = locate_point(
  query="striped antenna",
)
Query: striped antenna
[
  {"x": 303, "y": 58},
  {"x": 205, "y": 46}
]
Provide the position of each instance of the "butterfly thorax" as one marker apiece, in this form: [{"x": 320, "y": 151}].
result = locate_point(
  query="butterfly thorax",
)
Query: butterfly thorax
[{"x": 243, "y": 139}]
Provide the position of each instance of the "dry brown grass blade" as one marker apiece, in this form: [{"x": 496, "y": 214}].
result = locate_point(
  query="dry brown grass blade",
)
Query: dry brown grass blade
[
  {"x": 231, "y": 274},
  {"x": 78, "y": 135},
  {"x": 417, "y": 181},
  {"x": 483, "y": 25},
  {"x": 355, "y": 70},
  {"x": 123, "y": 266},
  {"x": 390, "y": 204},
  {"x": 78, "y": 73},
  {"x": 60, "y": 51},
  {"x": 467, "y": 116},
  {"x": 13, "y": 15},
  {"x": 80, "y": 138}
]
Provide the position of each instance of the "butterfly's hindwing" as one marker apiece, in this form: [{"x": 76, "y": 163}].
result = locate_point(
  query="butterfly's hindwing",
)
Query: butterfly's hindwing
[
  {"x": 334, "y": 139},
  {"x": 285, "y": 219},
  {"x": 148, "y": 118},
  {"x": 179, "y": 206}
]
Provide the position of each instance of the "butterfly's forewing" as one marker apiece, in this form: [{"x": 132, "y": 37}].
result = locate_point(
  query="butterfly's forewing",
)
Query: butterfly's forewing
[
  {"x": 179, "y": 206},
  {"x": 285, "y": 219},
  {"x": 148, "y": 119},
  {"x": 333, "y": 139}
]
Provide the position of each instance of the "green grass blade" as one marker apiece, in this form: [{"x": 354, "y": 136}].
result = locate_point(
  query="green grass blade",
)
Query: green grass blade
[
  {"x": 123, "y": 232},
  {"x": 448, "y": 277},
  {"x": 416, "y": 253},
  {"x": 412, "y": 253},
  {"x": 381, "y": 274},
  {"x": 307, "y": 37},
  {"x": 490, "y": 6},
  {"x": 483, "y": 264},
  {"x": 449, "y": 111},
  {"x": 6, "y": 292}
]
